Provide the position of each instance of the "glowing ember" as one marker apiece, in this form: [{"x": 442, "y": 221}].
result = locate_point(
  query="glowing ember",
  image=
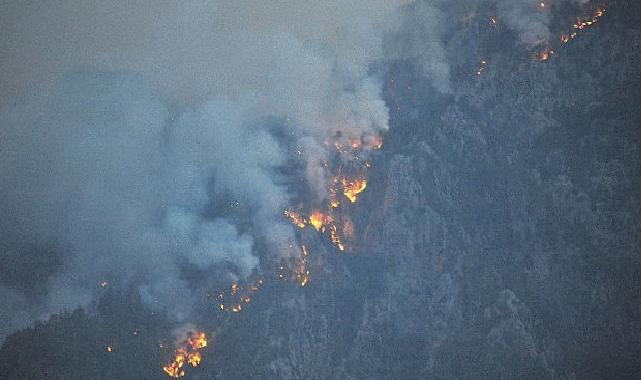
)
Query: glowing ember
[
  {"x": 323, "y": 221},
  {"x": 188, "y": 352},
  {"x": 302, "y": 273},
  {"x": 545, "y": 55},
  {"x": 198, "y": 341},
  {"x": 581, "y": 24},
  {"x": 296, "y": 218},
  {"x": 336, "y": 240},
  {"x": 481, "y": 68},
  {"x": 238, "y": 295}
]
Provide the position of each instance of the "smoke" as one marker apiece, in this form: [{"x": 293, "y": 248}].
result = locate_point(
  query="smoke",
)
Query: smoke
[
  {"x": 158, "y": 177},
  {"x": 98, "y": 170},
  {"x": 422, "y": 39},
  {"x": 133, "y": 141},
  {"x": 527, "y": 18}
]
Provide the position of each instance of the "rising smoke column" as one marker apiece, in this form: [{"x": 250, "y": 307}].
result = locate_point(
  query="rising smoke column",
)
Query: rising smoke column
[{"x": 132, "y": 178}]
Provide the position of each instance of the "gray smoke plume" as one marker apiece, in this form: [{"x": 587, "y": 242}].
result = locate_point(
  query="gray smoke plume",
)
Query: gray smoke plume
[
  {"x": 99, "y": 171},
  {"x": 136, "y": 178},
  {"x": 133, "y": 144},
  {"x": 527, "y": 18}
]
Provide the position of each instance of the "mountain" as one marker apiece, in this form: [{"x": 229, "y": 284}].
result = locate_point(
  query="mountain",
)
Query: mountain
[{"x": 499, "y": 237}]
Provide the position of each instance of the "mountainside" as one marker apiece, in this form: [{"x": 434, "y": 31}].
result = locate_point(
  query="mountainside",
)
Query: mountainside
[{"x": 499, "y": 238}]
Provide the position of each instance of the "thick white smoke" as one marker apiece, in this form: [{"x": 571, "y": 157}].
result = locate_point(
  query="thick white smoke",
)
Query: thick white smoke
[
  {"x": 134, "y": 185},
  {"x": 134, "y": 177},
  {"x": 100, "y": 171}
]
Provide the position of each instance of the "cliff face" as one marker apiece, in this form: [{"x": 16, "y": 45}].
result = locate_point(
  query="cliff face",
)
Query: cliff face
[{"x": 500, "y": 237}]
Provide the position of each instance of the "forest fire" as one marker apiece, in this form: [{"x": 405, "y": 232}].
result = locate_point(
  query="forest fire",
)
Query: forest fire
[
  {"x": 582, "y": 24},
  {"x": 237, "y": 296},
  {"x": 296, "y": 218},
  {"x": 302, "y": 273},
  {"x": 318, "y": 220},
  {"x": 324, "y": 222},
  {"x": 295, "y": 268},
  {"x": 335, "y": 238},
  {"x": 481, "y": 67},
  {"x": 353, "y": 188},
  {"x": 188, "y": 352},
  {"x": 545, "y": 55}
]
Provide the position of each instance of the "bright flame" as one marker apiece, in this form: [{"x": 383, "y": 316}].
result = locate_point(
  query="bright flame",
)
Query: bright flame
[
  {"x": 237, "y": 295},
  {"x": 301, "y": 272},
  {"x": 317, "y": 219},
  {"x": 352, "y": 188},
  {"x": 296, "y": 218},
  {"x": 582, "y": 24},
  {"x": 198, "y": 341},
  {"x": 545, "y": 55},
  {"x": 188, "y": 352},
  {"x": 194, "y": 359}
]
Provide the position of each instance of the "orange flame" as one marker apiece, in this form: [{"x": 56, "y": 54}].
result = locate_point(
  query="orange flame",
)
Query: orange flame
[
  {"x": 318, "y": 220},
  {"x": 352, "y": 188},
  {"x": 296, "y": 218},
  {"x": 198, "y": 341},
  {"x": 194, "y": 359},
  {"x": 582, "y": 24},
  {"x": 188, "y": 352},
  {"x": 302, "y": 273},
  {"x": 545, "y": 55},
  {"x": 237, "y": 295}
]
